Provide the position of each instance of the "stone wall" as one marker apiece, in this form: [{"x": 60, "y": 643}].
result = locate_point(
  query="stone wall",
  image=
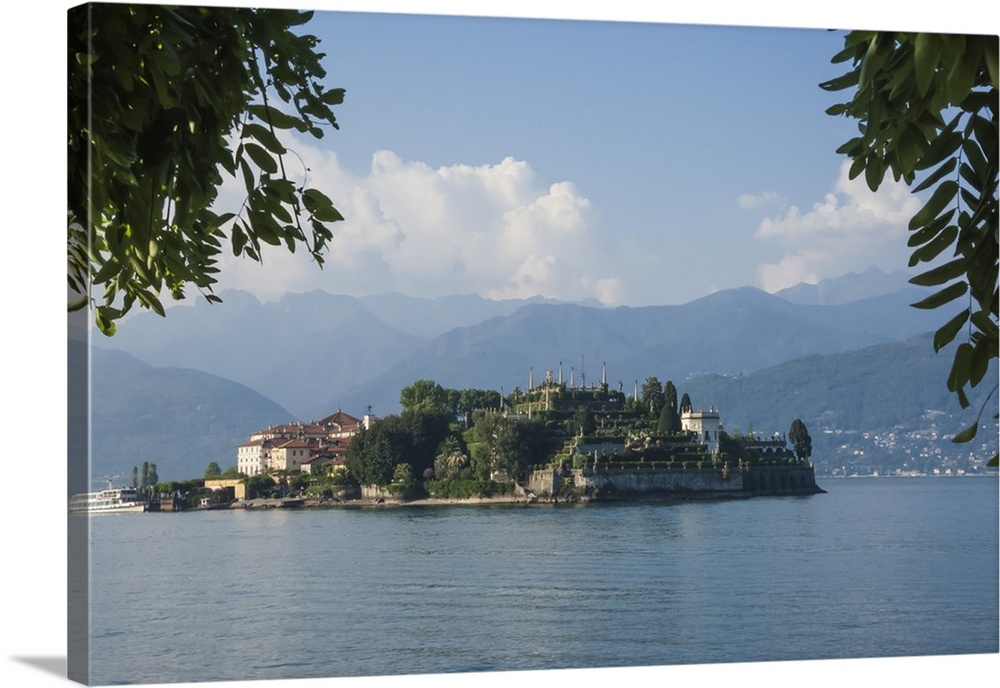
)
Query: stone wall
[{"x": 636, "y": 481}]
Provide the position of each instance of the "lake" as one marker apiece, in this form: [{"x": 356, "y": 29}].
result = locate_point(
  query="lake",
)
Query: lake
[{"x": 874, "y": 568}]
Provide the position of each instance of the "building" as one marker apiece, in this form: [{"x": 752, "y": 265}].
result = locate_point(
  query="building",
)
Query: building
[
  {"x": 705, "y": 425},
  {"x": 289, "y": 455},
  {"x": 300, "y": 446}
]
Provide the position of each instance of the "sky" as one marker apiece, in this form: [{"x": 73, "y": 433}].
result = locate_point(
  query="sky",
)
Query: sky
[{"x": 635, "y": 163}]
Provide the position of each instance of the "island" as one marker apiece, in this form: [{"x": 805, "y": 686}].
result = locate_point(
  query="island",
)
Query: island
[{"x": 557, "y": 441}]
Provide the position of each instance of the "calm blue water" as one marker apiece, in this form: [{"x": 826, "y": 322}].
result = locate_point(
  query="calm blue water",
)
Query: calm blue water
[{"x": 874, "y": 568}]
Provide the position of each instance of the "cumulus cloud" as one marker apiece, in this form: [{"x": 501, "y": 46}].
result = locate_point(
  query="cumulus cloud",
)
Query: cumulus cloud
[
  {"x": 489, "y": 229},
  {"x": 851, "y": 228}
]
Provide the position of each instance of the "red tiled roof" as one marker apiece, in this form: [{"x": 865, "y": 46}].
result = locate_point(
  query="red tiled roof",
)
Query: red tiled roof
[
  {"x": 293, "y": 444},
  {"x": 339, "y": 418}
]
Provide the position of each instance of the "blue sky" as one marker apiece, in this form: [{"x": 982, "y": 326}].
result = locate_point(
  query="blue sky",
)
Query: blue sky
[{"x": 633, "y": 162}]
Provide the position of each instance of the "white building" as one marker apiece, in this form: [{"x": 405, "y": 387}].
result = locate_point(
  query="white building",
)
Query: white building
[
  {"x": 705, "y": 425},
  {"x": 251, "y": 457}
]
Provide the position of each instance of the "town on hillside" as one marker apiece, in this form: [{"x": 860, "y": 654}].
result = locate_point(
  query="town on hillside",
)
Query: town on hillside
[{"x": 555, "y": 439}]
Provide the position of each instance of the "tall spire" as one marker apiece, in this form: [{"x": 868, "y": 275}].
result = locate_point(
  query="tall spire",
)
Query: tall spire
[{"x": 604, "y": 372}]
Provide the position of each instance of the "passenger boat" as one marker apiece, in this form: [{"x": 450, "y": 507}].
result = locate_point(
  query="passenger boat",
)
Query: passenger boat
[{"x": 112, "y": 500}]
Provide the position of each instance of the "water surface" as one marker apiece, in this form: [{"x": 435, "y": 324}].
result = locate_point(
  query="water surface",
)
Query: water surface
[{"x": 873, "y": 568}]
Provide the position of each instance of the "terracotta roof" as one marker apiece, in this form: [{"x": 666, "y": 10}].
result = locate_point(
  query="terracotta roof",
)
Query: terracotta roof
[
  {"x": 339, "y": 418},
  {"x": 293, "y": 444}
]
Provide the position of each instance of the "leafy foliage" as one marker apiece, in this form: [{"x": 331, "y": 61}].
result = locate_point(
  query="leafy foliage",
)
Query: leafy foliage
[
  {"x": 375, "y": 452},
  {"x": 425, "y": 395},
  {"x": 508, "y": 446},
  {"x": 798, "y": 435},
  {"x": 685, "y": 403},
  {"x": 670, "y": 418},
  {"x": 412, "y": 439},
  {"x": 926, "y": 106},
  {"x": 652, "y": 396},
  {"x": 161, "y": 101}
]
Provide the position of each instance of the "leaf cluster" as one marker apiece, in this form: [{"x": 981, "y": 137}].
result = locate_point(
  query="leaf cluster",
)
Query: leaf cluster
[
  {"x": 926, "y": 106},
  {"x": 162, "y": 101},
  {"x": 798, "y": 435}
]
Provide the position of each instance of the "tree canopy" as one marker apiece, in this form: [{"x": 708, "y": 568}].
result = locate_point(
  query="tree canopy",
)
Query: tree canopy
[
  {"x": 425, "y": 395},
  {"x": 926, "y": 106},
  {"x": 162, "y": 101},
  {"x": 652, "y": 396},
  {"x": 670, "y": 419},
  {"x": 798, "y": 435}
]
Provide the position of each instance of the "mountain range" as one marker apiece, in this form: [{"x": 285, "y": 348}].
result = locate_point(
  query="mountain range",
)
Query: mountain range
[
  {"x": 308, "y": 355},
  {"x": 315, "y": 352}
]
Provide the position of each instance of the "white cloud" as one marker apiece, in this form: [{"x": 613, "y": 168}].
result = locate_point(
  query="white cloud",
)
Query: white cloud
[
  {"x": 851, "y": 228},
  {"x": 758, "y": 200},
  {"x": 489, "y": 229}
]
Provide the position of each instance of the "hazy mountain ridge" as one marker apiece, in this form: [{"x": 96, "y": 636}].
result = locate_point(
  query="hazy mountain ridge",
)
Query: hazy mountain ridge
[
  {"x": 295, "y": 350},
  {"x": 735, "y": 331},
  {"x": 847, "y": 288},
  {"x": 316, "y": 351},
  {"x": 178, "y": 418},
  {"x": 895, "y": 393}
]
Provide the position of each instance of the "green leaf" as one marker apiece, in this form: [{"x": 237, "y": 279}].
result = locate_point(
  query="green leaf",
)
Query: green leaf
[
  {"x": 264, "y": 136},
  {"x": 249, "y": 181},
  {"x": 329, "y": 214},
  {"x": 335, "y": 96},
  {"x": 933, "y": 249},
  {"x": 928, "y": 232},
  {"x": 262, "y": 158},
  {"x": 946, "y": 295},
  {"x": 960, "y": 367},
  {"x": 945, "y": 144},
  {"x": 909, "y": 148},
  {"x": 990, "y": 55},
  {"x": 274, "y": 117},
  {"x": 926, "y": 55},
  {"x": 315, "y": 199},
  {"x": 851, "y": 148},
  {"x": 966, "y": 435},
  {"x": 946, "y": 334},
  {"x": 940, "y": 274},
  {"x": 980, "y": 362},
  {"x": 982, "y": 321},
  {"x": 874, "y": 172},
  {"x": 942, "y": 196},
  {"x": 841, "y": 82},
  {"x": 962, "y": 76},
  {"x": 151, "y": 301},
  {"x": 936, "y": 176},
  {"x": 239, "y": 239},
  {"x": 857, "y": 167}
]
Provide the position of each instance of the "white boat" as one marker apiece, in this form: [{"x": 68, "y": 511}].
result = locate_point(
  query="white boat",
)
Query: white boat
[{"x": 112, "y": 500}]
